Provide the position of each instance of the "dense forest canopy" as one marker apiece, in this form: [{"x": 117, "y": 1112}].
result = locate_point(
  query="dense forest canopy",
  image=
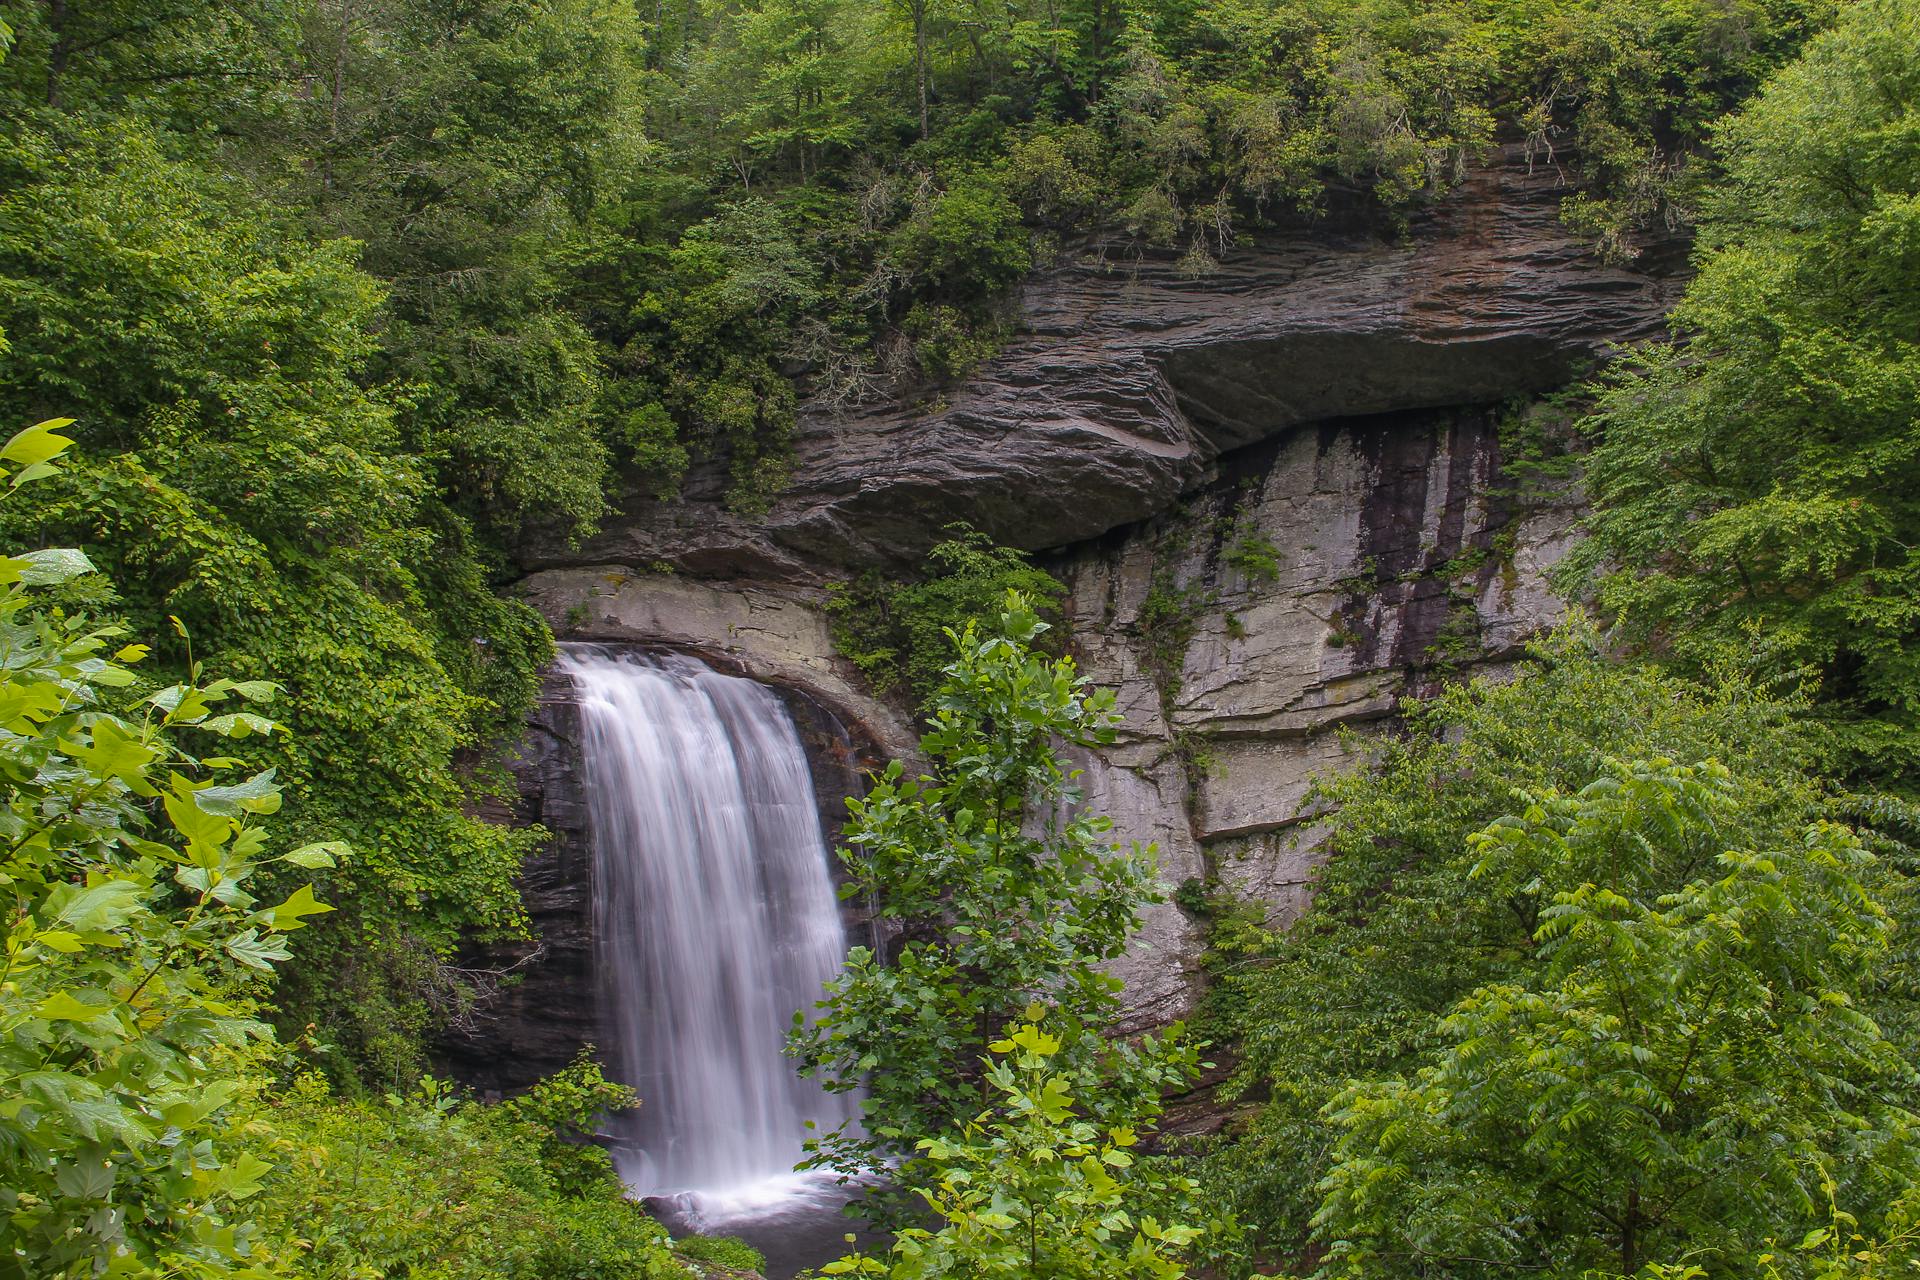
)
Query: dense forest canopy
[{"x": 1609, "y": 972}]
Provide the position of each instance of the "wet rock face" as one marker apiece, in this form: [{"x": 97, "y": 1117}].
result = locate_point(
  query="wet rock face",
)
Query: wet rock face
[
  {"x": 536, "y": 1002},
  {"x": 1126, "y": 383}
]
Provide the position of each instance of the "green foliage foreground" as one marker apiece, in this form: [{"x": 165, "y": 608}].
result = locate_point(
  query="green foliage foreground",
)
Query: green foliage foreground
[
  {"x": 1031, "y": 1190},
  {"x": 429, "y": 1187},
  {"x": 128, "y": 1018},
  {"x": 142, "y": 1133}
]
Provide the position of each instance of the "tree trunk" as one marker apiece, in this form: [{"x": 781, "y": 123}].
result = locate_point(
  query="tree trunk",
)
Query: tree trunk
[
  {"x": 1630, "y": 1234},
  {"x": 920, "y": 59},
  {"x": 61, "y": 51}
]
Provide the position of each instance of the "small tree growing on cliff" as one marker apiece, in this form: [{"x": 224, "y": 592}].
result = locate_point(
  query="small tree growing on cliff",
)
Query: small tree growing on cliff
[
  {"x": 1030, "y": 1188},
  {"x": 1007, "y": 894}
]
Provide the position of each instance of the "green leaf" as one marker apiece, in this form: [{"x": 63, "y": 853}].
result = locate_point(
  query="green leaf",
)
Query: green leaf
[
  {"x": 240, "y": 724},
  {"x": 200, "y": 826},
  {"x": 104, "y": 905},
  {"x": 288, "y": 915},
  {"x": 259, "y": 794},
  {"x": 315, "y": 856},
  {"x": 183, "y": 704},
  {"x": 36, "y": 445},
  {"x": 86, "y": 1178},
  {"x": 255, "y": 951},
  {"x": 242, "y": 1178},
  {"x": 115, "y": 753},
  {"x": 62, "y": 1007},
  {"x": 52, "y": 566}
]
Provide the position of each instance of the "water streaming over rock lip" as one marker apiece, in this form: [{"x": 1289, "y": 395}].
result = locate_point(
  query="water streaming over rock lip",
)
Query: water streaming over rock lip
[{"x": 715, "y": 918}]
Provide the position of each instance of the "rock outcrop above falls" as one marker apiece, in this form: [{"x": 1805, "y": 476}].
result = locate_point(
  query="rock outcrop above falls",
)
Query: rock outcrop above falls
[{"x": 1126, "y": 381}]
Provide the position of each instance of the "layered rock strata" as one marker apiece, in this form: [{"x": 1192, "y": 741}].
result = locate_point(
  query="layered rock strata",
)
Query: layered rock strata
[{"x": 1126, "y": 381}]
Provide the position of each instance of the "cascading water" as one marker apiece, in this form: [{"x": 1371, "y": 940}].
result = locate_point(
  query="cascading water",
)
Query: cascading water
[{"x": 715, "y": 919}]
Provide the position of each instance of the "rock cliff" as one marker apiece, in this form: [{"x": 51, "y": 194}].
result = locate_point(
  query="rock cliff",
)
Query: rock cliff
[
  {"x": 1277, "y": 493},
  {"x": 1126, "y": 382}
]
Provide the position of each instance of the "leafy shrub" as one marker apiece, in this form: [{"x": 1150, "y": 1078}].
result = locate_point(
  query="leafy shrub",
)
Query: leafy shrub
[
  {"x": 897, "y": 633},
  {"x": 1032, "y": 1187},
  {"x": 946, "y": 344},
  {"x": 722, "y": 1251},
  {"x": 967, "y": 242},
  {"x": 566, "y": 1109},
  {"x": 427, "y": 1186},
  {"x": 135, "y": 943},
  {"x": 1254, "y": 555}
]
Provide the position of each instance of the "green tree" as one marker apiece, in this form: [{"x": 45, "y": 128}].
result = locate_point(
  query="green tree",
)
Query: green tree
[
  {"x": 1664, "y": 1071},
  {"x": 1032, "y": 1190},
  {"x": 1005, "y": 891},
  {"x": 190, "y": 60},
  {"x": 1400, "y": 929},
  {"x": 471, "y": 148},
  {"x": 1764, "y": 479},
  {"x": 242, "y": 477},
  {"x": 711, "y": 333},
  {"x": 136, "y": 947}
]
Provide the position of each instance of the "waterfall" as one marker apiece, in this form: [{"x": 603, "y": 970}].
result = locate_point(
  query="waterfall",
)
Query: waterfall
[{"x": 715, "y": 919}]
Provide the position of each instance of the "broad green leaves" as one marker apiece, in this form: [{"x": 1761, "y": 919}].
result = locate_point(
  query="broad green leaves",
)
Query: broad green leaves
[
  {"x": 28, "y": 455},
  {"x": 126, "y": 1004},
  {"x": 1031, "y": 1189},
  {"x": 1010, "y": 894}
]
